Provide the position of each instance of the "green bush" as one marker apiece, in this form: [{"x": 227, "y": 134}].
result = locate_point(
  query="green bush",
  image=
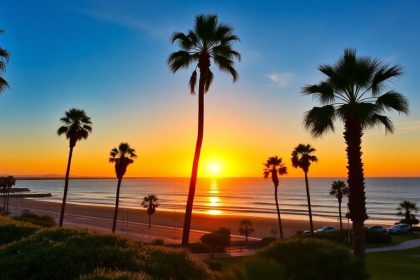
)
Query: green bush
[
  {"x": 11, "y": 230},
  {"x": 172, "y": 263},
  {"x": 158, "y": 241},
  {"x": 315, "y": 259},
  {"x": 264, "y": 242},
  {"x": 42, "y": 221},
  {"x": 198, "y": 247},
  {"x": 378, "y": 237},
  {"x": 103, "y": 274},
  {"x": 65, "y": 254},
  {"x": 256, "y": 268}
]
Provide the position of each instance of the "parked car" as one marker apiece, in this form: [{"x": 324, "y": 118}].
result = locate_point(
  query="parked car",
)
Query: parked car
[
  {"x": 379, "y": 229},
  {"x": 325, "y": 230},
  {"x": 399, "y": 229}
]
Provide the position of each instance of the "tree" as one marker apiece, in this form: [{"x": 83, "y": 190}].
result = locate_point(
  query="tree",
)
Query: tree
[
  {"x": 77, "y": 126},
  {"x": 354, "y": 91},
  {"x": 151, "y": 203},
  {"x": 6, "y": 184},
  {"x": 406, "y": 209},
  {"x": 302, "y": 158},
  {"x": 121, "y": 157},
  {"x": 217, "y": 240},
  {"x": 339, "y": 189},
  {"x": 208, "y": 42},
  {"x": 246, "y": 228},
  {"x": 273, "y": 166},
  {"x": 4, "y": 58}
]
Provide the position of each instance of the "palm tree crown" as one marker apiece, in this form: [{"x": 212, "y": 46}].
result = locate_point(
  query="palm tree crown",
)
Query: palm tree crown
[
  {"x": 122, "y": 157},
  {"x": 354, "y": 88},
  {"x": 208, "y": 41},
  {"x": 302, "y": 158},
  {"x": 4, "y": 57},
  {"x": 77, "y": 126},
  {"x": 407, "y": 206},
  {"x": 273, "y": 166},
  {"x": 151, "y": 203},
  {"x": 339, "y": 189}
]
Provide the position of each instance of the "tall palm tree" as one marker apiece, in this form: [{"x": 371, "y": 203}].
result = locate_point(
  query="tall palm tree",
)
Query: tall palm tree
[
  {"x": 339, "y": 189},
  {"x": 150, "y": 202},
  {"x": 209, "y": 41},
  {"x": 354, "y": 90},
  {"x": 77, "y": 126},
  {"x": 302, "y": 158},
  {"x": 122, "y": 157},
  {"x": 273, "y": 166},
  {"x": 407, "y": 209},
  {"x": 4, "y": 57},
  {"x": 10, "y": 182}
]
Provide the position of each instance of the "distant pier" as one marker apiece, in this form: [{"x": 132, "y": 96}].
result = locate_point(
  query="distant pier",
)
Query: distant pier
[{"x": 24, "y": 193}]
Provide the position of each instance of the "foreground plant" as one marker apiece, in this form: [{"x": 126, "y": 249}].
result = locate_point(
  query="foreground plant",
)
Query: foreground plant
[
  {"x": 209, "y": 41},
  {"x": 77, "y": 126},
  {"x": 121, "y": 157},
  {"x": 354, "y": 91}
]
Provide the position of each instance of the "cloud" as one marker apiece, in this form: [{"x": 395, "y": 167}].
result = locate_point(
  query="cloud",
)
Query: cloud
[
  {"x": 282, "y": 79},
  {"x": 412, "y": 126}
]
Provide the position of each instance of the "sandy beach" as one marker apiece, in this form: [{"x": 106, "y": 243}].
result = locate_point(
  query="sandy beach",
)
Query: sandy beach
[{"x": 132, "y": 223}]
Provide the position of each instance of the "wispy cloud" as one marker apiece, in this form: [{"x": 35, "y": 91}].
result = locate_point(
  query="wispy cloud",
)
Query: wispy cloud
[
  {"x": 282, "y": 79},
  {"x": 122, "y": 20},
  {"x": 412, "y": 126}
]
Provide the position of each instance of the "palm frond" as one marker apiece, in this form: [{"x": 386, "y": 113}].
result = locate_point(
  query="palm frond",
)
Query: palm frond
[
  {"x": 383, "y": 74},
  {"x": 320, "y": 119},
  {"x": 179, "y": 59},
  {"x": 193, "y": 82},
  {"x": 393, "y": 100},
  {"x": 209, "y": 80}
]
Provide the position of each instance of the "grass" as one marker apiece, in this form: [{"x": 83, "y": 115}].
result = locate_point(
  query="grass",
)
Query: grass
[
  {"x": 403, "y": 264},
  {"x": 396, "y": 239}
]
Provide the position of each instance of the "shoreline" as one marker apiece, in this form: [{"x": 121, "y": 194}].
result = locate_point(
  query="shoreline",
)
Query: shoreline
[{"x": 132, "y": 223}]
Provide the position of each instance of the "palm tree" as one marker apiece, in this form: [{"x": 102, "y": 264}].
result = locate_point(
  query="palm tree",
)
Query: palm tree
[
  {"x": 273, "y": 166},
  {"x": 4, "y": 57},
  {"x": 151, "y": 203},
  {"x": 246, "y": 228},
  {"x": 406, "y": 209},
  {"x": 354, "y": 92},
  {"x": 339, "y": 189},
  {"x": 10, "y": 182},
  {"x": 302, "y": 158},
  {"x": 122, "y": 157},
  {"x": 77, "y": 126},
  {"x": 208, "y": 41}
]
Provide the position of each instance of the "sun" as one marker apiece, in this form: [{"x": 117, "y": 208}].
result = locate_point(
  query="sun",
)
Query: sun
[{"x": 214, "y": 169}]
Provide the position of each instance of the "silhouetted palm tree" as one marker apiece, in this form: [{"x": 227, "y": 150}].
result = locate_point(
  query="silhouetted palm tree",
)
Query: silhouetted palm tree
[
  {"x": 122, "y": 157},
  {"x": 246, "y": 228},
  {"x": 6, "y": 184},
  {"x": 208, "y": 41},
  {"x": 302, "y": 158},
  {"x": 273, "y": 166},
  {"x": 339, "y": 189},
  {"x": 4, "y": 57},
  {"x": 151, "y": 203},
  {"x": 406, "y": 209},
  {"x": 353, "y": 91},
  {"x": 77, "y": 126}
]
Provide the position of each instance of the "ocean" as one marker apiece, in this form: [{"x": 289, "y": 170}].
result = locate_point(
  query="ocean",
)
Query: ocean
[{"x": 235, "y": 196}]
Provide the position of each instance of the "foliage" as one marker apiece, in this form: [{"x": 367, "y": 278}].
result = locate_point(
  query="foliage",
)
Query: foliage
[
  {"x": 246, "y": 228},
  {"x": 198, "y": 247},
  {"x": 218, "y": 240},
  {"x": 320, "y": 259},
  {"x": 256, "y": 268},
  {"x": 42, "y": 221},
  {"x": 103, "y": 274},
  {"x": 150, "y": 202},
  {"x": 122, "y": 157},
  {"x": 158, "y": 241},
  {"x": 12, "y": 230},
  {"x": 266, "y": 241},
  {"x": 407, "y": 209},
  {"x": 77, "y": 125},
  {"x": 374, "y": 237}
]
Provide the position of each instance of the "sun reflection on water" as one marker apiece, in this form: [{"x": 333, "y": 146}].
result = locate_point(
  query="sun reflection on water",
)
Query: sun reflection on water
[{"x": 214, "y": 200}]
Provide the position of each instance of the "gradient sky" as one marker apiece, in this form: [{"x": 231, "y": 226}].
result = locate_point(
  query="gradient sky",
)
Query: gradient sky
[{"x": 110, "y": 59}]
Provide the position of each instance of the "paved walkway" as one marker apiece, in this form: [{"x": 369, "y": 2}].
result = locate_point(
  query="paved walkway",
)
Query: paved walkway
[{"x": 409, "y": 244}]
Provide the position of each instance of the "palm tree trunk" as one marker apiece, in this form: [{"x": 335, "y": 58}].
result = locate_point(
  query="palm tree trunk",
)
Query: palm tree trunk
[
  {"x": 278, "y": 213},
  {"x": 308, "y": 197},
  {"x": 193, "y": 180},
  {"x": 66, "y": 186},
  {"x": 117, "y": 201},
  {"x": 150, "y": 221},
  {"x": 339, "y": 215},
  {"x": 7, "y": 200},
  {"x": 357, "y": 199}
]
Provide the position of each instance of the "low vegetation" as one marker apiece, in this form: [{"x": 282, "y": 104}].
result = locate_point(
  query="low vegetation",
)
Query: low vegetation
[
  {"x": 42, "y": 221},
  {"x": 12, "y": 230}
]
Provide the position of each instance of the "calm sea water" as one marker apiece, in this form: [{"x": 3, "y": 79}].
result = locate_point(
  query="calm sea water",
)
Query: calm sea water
[{"x": 245, "y": 196}]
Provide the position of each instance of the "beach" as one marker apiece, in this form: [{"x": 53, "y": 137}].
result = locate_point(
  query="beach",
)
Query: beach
[{"x": 132, "y": 223}]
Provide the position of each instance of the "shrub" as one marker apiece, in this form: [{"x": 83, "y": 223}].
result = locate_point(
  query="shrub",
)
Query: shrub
[
  {"x": 171, "y": 263},
  {"x": 103, "y": 274},
  {"x": 315, "y": 259},
  {"x": 378, "y": 237},
  {"x": 65, "y": 254},
  {"x": 215, "y": 265},
  {"x": 266, "y": 241},
  {"x": 11, "y": 230},
  {"x": 42, "y": 221},
  {"x": 217, "y": 241},
  {"x": 256, "y": 268},
  {"x": 158, "y": 241},
  {"x": 198, "y": 247}
]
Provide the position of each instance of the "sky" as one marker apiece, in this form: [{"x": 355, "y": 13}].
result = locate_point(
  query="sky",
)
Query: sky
[{"x": 110, "y": 59}]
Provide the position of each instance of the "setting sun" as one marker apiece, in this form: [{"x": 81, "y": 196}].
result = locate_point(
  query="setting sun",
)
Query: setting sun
[{"x": 214, "y": 169}]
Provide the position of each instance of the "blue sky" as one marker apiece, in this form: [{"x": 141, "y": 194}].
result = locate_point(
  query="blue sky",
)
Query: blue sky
[{"x": 109, "y": 57}]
